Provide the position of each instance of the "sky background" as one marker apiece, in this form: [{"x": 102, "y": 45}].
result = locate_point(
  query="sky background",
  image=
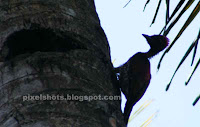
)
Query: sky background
[{"x": 124, "y": 28}]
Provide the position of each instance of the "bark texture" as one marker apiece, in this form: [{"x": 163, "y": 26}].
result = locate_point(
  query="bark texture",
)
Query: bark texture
[{"x": 55, "y": 47}]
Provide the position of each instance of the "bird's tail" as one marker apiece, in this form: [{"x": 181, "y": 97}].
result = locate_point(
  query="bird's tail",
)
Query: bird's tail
[{"x": 127, "y": 111}]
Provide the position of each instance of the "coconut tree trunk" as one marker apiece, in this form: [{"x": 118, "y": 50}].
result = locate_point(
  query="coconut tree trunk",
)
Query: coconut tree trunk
[{"x": 55, "y": 68}]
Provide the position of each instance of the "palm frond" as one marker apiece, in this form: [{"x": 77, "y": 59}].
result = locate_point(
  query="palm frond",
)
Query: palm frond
[
  {"x": 167, "y": 11},
  {"x": 189, "y": 3},
  {"x": 177, "y": 8},
  {"x": 146, "y": 4},
  {"x": 196, "y": 100},
  {"x": 181, "y": 62},
  {"x": 156, "y": 12},
  {"x": 189, "y": 20},
  {"x": 193, "y": 72},
  {"x": 173, "y": 13},
  {"x": 127, "y": 3},
  {"x": 195, "y": 48}
]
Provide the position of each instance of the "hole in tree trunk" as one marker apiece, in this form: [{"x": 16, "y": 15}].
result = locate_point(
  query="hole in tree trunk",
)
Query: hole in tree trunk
[{"x": 43, "y": 40}]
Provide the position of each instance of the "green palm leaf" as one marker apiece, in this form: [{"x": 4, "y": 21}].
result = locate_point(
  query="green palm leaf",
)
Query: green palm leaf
[
  {"x": 189, "y": 20},
  {"x": 156, "y": 12},
  {"x": 196, "y": 100}
]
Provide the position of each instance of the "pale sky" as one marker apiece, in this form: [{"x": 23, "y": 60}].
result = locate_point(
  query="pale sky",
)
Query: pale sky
[{"x": 124, "y": 28}]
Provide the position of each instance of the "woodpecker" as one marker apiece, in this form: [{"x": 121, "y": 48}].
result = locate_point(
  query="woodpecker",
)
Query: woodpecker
[{"x": 134, "y": 76}]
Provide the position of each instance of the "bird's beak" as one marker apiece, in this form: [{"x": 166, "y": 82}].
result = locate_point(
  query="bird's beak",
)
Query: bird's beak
[{"x": 146, "y": 36}]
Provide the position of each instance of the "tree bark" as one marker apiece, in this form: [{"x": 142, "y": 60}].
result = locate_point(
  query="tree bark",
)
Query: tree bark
[{"x": 51, "y": 49}]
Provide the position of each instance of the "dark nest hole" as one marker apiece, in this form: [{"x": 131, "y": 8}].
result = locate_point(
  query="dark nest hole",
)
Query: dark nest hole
[{"x": 43, "y": 40}]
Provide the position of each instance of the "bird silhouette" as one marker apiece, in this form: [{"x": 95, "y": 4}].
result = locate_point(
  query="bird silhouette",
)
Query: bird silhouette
[{"x": 135, "y": 75}]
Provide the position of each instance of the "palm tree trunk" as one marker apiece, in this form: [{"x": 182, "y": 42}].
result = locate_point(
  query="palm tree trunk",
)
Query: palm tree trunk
[{"x": 55, "y": 66}]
